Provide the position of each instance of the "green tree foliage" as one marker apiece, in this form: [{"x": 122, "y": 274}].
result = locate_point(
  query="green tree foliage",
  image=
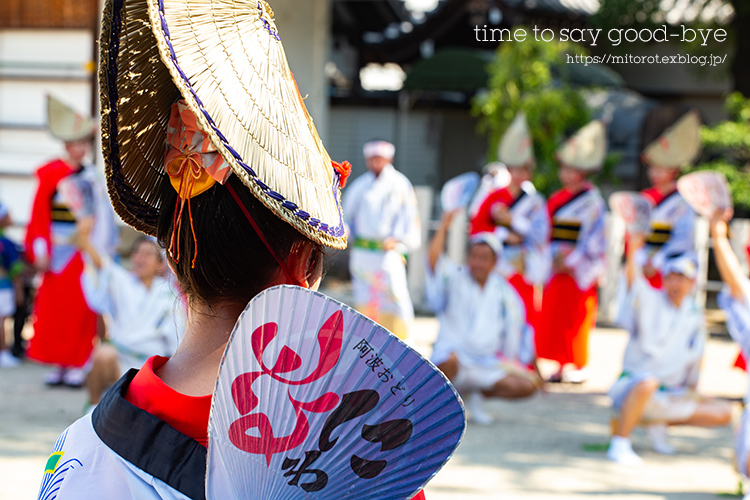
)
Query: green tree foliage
[
  {"x": 531, "y": 76},
  {"x": 651, "y": 14},
  {"x": 628, "y": 13},
  {"x": 728, "y": 147}
]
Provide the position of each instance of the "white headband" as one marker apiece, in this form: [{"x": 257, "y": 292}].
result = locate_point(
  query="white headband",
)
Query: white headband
[
  {"x": 379, "y": 148},
  {"x": 684, "y": 264},
  {"x": 488, "y": 239}
]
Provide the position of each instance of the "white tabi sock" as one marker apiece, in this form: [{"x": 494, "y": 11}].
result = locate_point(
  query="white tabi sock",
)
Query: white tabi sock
[
  {"x": 476, "y": 412},
  {"x": 658, "y": 436},
  {"x": 621, "y": 451}
]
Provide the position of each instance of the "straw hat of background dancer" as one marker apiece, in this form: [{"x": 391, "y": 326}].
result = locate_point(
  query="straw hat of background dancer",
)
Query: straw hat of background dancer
[
  {"x": 66, "y": 124},
  {"x": 586, "y": 149},
  {"x": 678, "y": 146}
]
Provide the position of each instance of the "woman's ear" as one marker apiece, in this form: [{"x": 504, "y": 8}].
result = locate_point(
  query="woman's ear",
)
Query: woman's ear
[{"x": 301, "y": 262}]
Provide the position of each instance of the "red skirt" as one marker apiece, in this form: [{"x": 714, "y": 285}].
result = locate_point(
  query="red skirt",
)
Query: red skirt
[
  {"x": 527, "y": 293},
  {"x": 567, "y": 317},
  {"x": 64, "y": 326}
]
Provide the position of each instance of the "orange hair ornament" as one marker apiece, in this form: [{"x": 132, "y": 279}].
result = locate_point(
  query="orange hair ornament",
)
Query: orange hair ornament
[{"x": 193, "y": 166}]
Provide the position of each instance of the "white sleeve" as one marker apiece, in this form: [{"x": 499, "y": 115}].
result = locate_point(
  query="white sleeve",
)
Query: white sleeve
[
  {"x": 103, "y": 289},
  {"x": 521, "y": 224},
  {"x": 695, "y": 354},
  {"x": 502, "y": 233},
  {"x": 681, "y": 240},
  {"x": 39, "y": 247},
  {"x": 738, "y": 316},
  {"x": 95, "y": 284},
  {"x": 539, "y": 225},
  {"x": 538, "y": 254},
  {"x": 588, "y": 258},
  {"x": 406, "y": 227},
  {"x": 628, "y": 300},
  {"x": 438, "y": 282}
]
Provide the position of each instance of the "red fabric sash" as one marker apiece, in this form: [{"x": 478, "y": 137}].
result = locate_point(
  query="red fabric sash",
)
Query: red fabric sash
[
  {"x": 655, "y": 196},
  {"x": 560, "y": 198},
  {"x": 41, "y": 215}
]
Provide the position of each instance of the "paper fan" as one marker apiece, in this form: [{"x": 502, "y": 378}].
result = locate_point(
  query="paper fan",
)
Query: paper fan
[
  {"x": 77, "y": 195},
  {"x": 457, "y": 192},
  {"x": 314, "y": 400},
  {"x": 705, "y": 191},
  {"x": 634, "y": 209}
]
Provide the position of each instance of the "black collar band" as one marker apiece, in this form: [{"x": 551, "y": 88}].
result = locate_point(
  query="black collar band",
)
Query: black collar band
[{"x": 149, "y": 443}]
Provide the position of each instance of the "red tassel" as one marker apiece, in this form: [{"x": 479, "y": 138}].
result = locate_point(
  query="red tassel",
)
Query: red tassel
[
  {"x": 344, "y": 169},
  {"x": 174, "y": 250}
]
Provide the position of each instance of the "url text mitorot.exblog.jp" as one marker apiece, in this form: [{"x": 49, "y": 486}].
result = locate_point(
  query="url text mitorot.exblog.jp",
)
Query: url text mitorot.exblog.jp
[{"x": 702, "y": 60}]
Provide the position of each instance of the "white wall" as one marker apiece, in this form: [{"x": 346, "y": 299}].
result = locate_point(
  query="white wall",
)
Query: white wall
[
  {"x": 305, "y": 30},
  {"x": 417, "y": 153}
]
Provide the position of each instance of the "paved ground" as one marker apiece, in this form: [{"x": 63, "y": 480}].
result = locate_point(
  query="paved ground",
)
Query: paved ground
[{"x": 550, "y": 446}]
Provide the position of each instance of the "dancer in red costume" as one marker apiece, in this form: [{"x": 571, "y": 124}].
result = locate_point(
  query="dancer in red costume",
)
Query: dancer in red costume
[
  {"x": 672, "y": 220},
  {"x": 516, "y": 214},
  {"x": 578, "y": 255},
  {"x": 64, "y": 326}
]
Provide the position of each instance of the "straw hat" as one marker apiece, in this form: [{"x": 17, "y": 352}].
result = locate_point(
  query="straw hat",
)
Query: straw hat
[
  {"x": 586, "y": 150},
  {"x": 224, "y": 58},
  {"x": 65, "y": 123},
  {"x": 679, "y": 145},
  {"x": 516, "y": 147}
]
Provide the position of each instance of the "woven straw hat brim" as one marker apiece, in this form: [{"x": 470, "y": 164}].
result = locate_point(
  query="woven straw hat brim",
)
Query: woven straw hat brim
[
  {"x": 225, "y": 59},
  {"x": 679, "y": 145}
]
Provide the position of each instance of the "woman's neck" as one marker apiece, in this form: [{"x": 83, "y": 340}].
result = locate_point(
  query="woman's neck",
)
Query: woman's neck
[
  {"x": 194, "y": 367},
  {"x": 576, "y": 187},
  {"x": 73, "y": 165},
  {"x": 667, "y": 187}
]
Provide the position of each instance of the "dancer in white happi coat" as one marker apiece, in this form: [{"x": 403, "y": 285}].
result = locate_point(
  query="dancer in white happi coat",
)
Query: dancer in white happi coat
[
  {"x": 380, "y": 209},
  {"x": 662, "y": 360},
  {"x": 145, "y": 312},
  {"x": 484, "y": 345},
  {"x": 672, "y": 219},
  {"x": 734, "y": 300}
]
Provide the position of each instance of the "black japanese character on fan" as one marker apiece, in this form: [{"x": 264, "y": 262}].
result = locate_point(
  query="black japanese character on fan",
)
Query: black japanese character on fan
[{"x": 390, "y": 434}]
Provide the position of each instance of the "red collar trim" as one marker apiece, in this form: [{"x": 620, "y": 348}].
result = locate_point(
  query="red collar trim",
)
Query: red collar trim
[{"x": 187, "y": 414}]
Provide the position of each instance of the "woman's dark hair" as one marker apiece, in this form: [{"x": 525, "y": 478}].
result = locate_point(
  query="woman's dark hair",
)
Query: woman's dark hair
[{"x": 232, "y": 264}]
